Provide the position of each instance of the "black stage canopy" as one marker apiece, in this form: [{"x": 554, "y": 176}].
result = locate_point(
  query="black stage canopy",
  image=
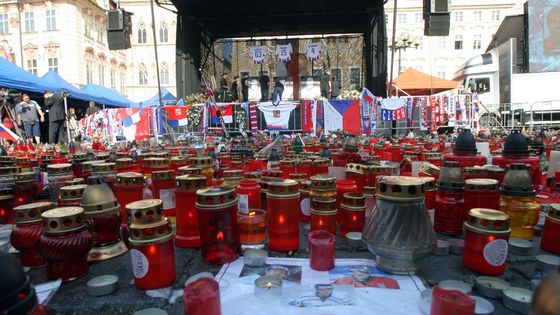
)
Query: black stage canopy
[{"x": 199, "y": 20}]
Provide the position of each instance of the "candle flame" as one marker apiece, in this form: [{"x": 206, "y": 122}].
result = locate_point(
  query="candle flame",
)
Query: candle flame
[
  {"x": 190, "y": 215},
  {"x": 281, "y": 219},
  {"x": 252, "y": 213},
  {"x": 152, "y": 249},
  {"x": 269, "y": 285},
  {"x": 354, "y": 218},
  {"x": 321, "y": 222},
  {"x": 220, "y": 236}
]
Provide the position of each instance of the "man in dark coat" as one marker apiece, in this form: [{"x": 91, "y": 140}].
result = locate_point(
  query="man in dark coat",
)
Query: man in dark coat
[{"x": 54, "y": 103}]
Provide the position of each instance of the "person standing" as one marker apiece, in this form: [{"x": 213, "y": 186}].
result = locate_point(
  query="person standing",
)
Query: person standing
[
  {"x": 335, "y": 88},
  {"x": 223, "y": 87},
  {"x": 234, "y": 89},
  {"x": 92, "y": 109},
  {"x": 29, "y": 113},
  {"x": 245, "y": 88},
  {"x": 326, "y": 84},
  {"x": 264, "y": 81},
  {"x": 278, "y": 90},
  {"x": 72, "y": 123},
  {"x": 54, "y": 103}
]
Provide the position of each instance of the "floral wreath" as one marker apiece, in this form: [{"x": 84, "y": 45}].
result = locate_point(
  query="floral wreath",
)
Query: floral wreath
[
  {"x": 193, "y": 116},
  {"x": 240, "y": 117}
]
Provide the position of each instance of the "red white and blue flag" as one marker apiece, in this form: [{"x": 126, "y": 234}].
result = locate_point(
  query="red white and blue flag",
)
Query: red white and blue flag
[
  {"x": 342, "y": 115},
  {"x": 6, "y": 133},
  {"x": 368, "y": 96}
]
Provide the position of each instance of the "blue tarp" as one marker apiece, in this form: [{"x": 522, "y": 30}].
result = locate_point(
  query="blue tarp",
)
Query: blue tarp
[
  {"x": 110, "y": 97},
  {"x": 14, "y": 77},
  {"x": 56, "y": 83},
  {"x": 166, "y": 97}
]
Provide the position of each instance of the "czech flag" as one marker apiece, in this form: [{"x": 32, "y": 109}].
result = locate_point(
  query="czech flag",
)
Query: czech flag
[
  {"x": 342, "y": 115},
  {"x": 6, "y": 133},
  {"x": 368, "y": 96},
  {"x": 133, "y": 119}
]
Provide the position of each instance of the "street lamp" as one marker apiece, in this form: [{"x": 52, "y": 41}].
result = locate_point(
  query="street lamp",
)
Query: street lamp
[{"x": 405, "y": 41}]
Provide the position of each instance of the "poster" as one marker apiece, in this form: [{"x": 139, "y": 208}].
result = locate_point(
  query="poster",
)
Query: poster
[
  {"x": 284, "y": 52},
  {"x": 312, "y": 51},
  {"x": 258, "y": 54}
]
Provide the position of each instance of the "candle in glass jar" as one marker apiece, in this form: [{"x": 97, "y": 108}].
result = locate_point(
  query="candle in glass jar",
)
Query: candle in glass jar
[
  {"x": 356, "y": 173},
  {"x": 323, "y": 215},
  {"x": 323, "y": 187},
  {"x": 163, "y": 183},
  {"x": 28, "y": 230},
  {"x": 152, "y": 251},
  {"x": 128, "y": 188},
  {"x": 201, "y": 295},
  {"x": 450, "y": 202},
  {"x": 188, "y": 235},
  {"x": 482, "y": 193},
  {"x": 351, "y": 213},
  {"x": 268, "y": 288},
  {"x": 287, "y": 167},
  {"x": 283, "y": 217},
  {"x": 25, "y": 188},
  {"x": 58, "y": 175},
  {"x": 321, "y": 250},
  {"x": 206, "y": 164},
  {"x": 70, "y": 196},
  {"x": 6, "y": 209},
  {"x": 344, "y": 186},
  {"x": 551, "y": 230},
  {"x": 321, "y": 166},
  {"x": 486, "y": 241},
  {"x": 430, "y": 193},
  {"x": 252, "y": 228},
  {"x": 106, "y": 171},
  {"x": 305, "y": 167},
  {"x": 249, "y": 194}
]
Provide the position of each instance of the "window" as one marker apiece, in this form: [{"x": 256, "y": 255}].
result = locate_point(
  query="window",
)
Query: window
[
  {"x": 495, "y": 15},
  {"x": 418, "y": 17},
  {"x": 142, "y": 33},
  {"x": 101, "y": 69},
  {"x": 441, "y": 42},
  {"x": 142, "y": 74},
  {"x": 50, "y": 15},
  {"x": 354, "y": 77},
  {"x": 100, "y": 31},
  {"x": 441, "y": 72},
  {"x": 477, "y": 41},
  {"x": 163, "y": 33},
  {"x": 122, "y": 82},
  {"x": 458, "y": 42},
  {"x": 4, "y": 23},
  {"x": 53, "y": 64},
  {"x": 87, "y": 25},
  {"x": 89, "y": 71},
  {"x": 458, "y": 16},
  {"x": 164, "y": 74},
  {"x": 401, "y": 18},
  {"x": 386, "y": 18},
  {"x": 113, "y": 79},
  {"x": 478, "y": 15},
  {"x": 32, "y": 66},
  {"x": 29, "y": 18},
  {"x": 482, "y": 85},
  {"x": 317, "y": 72},
  {"x": 420, "y": 41},
  {"x": 244, "y": 73},
  {"x": 337, "y": 73}
]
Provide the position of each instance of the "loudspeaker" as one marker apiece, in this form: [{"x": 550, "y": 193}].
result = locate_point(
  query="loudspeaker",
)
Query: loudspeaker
[
  {"x": 118, "y": 40},
  {"x": 440, "y": 6},
  {"x": 115, "y": 20},
  {"x": 437, "y": 25}
]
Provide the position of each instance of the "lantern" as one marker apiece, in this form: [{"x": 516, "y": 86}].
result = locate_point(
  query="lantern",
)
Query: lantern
[
  {"x": 27, "y": 232},
  {"x": 25, "y": 188},
  {"x": 124, "y": 165},
  {"x": 287, "y": 167},
  {"x": 450, "y": 202},
  {"x": 268, "y": 176},
  {"x": 249, "y": 194},
  {"x": 283, "y": 215},
  {"x": 70, "y": 196},
  {"x": 551, "y": 230},
  {"x": 430, "y": 193},
  {"x": 352, "y": 213},
  {"x": 482, "y": 193},
  {"x": 464, "y": 150},
  {"x": 58, "y": 175},
  {"x": 106, "y": 171},
  {"x": 323, "y": 186},
  {"x": 321, "y": 166},
  {"x": 357, "y": 173},
  {"x": 233, "y": 177},
  {"x": 188, "y": 235},
  {"x": 189, "y": 170},
  {"x": 128, "y": 188},
  {"x": 163, "y": 183},
  {"x": 323, "y": 215},
  {"x": 206, "y": 164},
  {"x": 305, "y": 201}
]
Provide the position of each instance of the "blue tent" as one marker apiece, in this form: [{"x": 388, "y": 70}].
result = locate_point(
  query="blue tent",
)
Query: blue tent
[
  {"x": 110, "y": 97},
  {"x": 166, "y": 97},
  {"x": 56, "y": 83},
  {"x": 14, "y": 77}
]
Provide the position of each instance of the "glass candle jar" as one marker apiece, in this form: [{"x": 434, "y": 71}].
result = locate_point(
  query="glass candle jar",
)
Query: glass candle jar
[
  {"x": 399, "y": 232},
  {"x": 323, "y": 187},
  {"x": 356, "y": 172},
  {"x": 128, "y": 188},
  {"x": 450, "y": 202},
  {"x": 77, "y": 161},
  {"x": 65, "y": 243},
  {"x": 153, "y": 164},
  {"x": 70, "y": 196},
  {"x": 486, "y": 241},
  {"x": 233, "y": 177},
  {"x": 287, "y": 167},
  {"x": 321, "y": 250},
  {"x": 518, "y": 201},
  {"x": 163, "y": 183},
  {"x": 217, "y": 217},
  {"x": 344, "y": 186},
  {"x": 86, "y": 168},
  {"x": 6, "y": 209},
  {"x": 305, "y": 201},
  {"x": 252, "y": 228},
  {"x": 58, "y": 174},
  {"x": 7, "y": 180},
  {"x": 25, "y": 188},
  {"x": 551, "y": 230},
  {"x": 352, "y": 213},
  {"x": 27, "y": 232},
  {"x": 266, "y": 176},
  {"x": 249, "y": 194},
  {"x": 378, "y": 170},
  {"x": 124, "y": 165},
  {"x": 321, "y": 166},
  {"x": 179, "y": 161},
  {"x": 107, "y": 173},
  {"x": 206, "y": 164},
  {"x": 151, "y": 240},
  {"x": 188, "y": 235},
  {"x": 305, "y": 166},
  {"x": 189, "y": 170},
  {"x": 454, "y": 302},
  {"x": 430, "y": 193},
  {"x": 482, "y": 193},
  {"x": 283, "y": 217},
  {"x": 323, "y": 215},
  {"x": 201, "y": 295}
]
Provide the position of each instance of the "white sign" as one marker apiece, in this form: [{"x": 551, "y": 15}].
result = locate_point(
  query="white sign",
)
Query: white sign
[
  {"x": 312, "y": 50},
  {"x": 258, "y": 54},
  {"x": 284, "y": 52}
]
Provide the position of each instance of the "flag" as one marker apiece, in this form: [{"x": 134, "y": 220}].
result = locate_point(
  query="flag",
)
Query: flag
[
  {"x": 366, "y": 115},
  {"x": 368, "y": 96},
  {"x": 306, "y": 115},
  {"x": 176, "y": 115},
  {"x": 342, "y": 115},
  {"x": 181, "y": 102},
  {"x": 133, "y": 119},
  {"x": 6, "y": 133},
  {"x": 225, "y": 110},
  {"x": 277, "y": 117}
]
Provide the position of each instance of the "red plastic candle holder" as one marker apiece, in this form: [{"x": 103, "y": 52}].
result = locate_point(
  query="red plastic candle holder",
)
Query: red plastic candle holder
[
  {"x": 283, "y": 216},
  {"x": 355, "y": 173},
  {"x": 321, "y": 250},
  {"x": 450, "y": 212},
  {"x": 482, "y": 193},
  {"x": 70, "y": 196},
  {"x": 6, "y": 209},
  {"x": 27, "y": 232},
  {"x": 323, "y": 215},
  {"x": 344, "y": 186},
  {"x": 25, "y": 188},
  {"x": 202, "y": 295},
  {"x": 163, "y": 183},
  {"x": 128, "y": 188},
  {"x": 445, "y": 302},
  {"x": 252, "y": 228},
  {"x": 287, "y": 167},
  {"x": 249, "y": 194},
  {"x": 551, "y": 231},
  {"x": 352, "y": 213},
  {"x": 188, "y": 234}
]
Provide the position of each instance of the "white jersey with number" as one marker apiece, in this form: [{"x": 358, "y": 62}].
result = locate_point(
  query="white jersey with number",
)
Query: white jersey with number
[{"x": 277, "y": 117}]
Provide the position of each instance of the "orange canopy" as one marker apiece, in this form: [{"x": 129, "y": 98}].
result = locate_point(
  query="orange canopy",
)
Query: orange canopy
[{"x": 415, "y": 82}]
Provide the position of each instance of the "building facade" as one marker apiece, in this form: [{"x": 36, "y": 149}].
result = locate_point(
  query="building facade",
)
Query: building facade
[
  {"x": 68, "y": 37},
  {"x": 472, "y": 25},
  {"x": 141, "y": 67}
]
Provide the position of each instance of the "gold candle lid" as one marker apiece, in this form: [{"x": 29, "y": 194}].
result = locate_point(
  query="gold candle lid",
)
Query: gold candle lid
[
  {"x": 130, "y": 178},
  {"x": 179, "y": 159},
  {"x": 31, "y": 212},
  {"x": 151, "y": 233},
  {"x": 103, "y": 167},
  {"x": 298, "y": 176},
  {"x": 122, "y": 155},
  {"x": 433, "y": 156},
  {"x": 161, "y": 154},
  {"x": 305, "y": 186},
  {"x": 253, "y": 175},
  {"x": 321, "y": 162},
  {"x": 216, "y": 197},
  {"x": 233, "y": 173},
  {"x": 305, "y": 163},
  {"x": 62, "y": 220},
  {"x": 22, "y": 159},
  {"x": 323, "y": 182},
  {"x": 79, "y": 157},
  {"x": 124, "y": 162},
  {"x": 475, "y": 171},
  {"x": 325, "y": 206},
  {"x": 72, "y": 192},
  {"x": 554, "y": 212},
  {"x": 201, "y": 161},
  {"x": 190, "y": 182},
  {"x": 287, "y": 188},
  {"x": 7, "y": 159},
  {"x": 8, "y": 170},
  {"x": 481, "y": 184},
  {"x": 74, "y": 181},
  {"x": 145, "y": 211},
  {"x": 189, "y": 170},
  {"x": 487, "y": 221},
  {"x": 354, "y": 200},
  {"x": 86, "y": 166},
  {"x": 369, "y": 191},
  {"x": 156, "y": 162},
  {"x": 272, "y": 175},
  {"x": 104, "y": 156},
  {"x": 382, "y": 169},
  {"x": 59, "y": 168},
  {"x": 429, "y": 183},
  {"x": 400, "y": 188},
  {"x": 25, "y": 177},
  {"x": 356, "y": 168},
  {"x": 163, "y": 175},
  {"x": 287, "y": 163}
]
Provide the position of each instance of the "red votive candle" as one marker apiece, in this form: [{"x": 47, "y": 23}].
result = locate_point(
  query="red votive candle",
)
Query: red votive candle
[
  {"x": 164, "y": 187},
  {"x": 344, "y": 186},
  {"x": 321, "y": 250},
  {"x": 25, "y": 188},
  {"x": 65, "y": 243},
  {"x": 482, "y": 193},
  {"x": 128, "y": 188},
  {"x": 188, "y": 235},
  {"x": 352, "y": 213},
  {"x": 486, "y": 241},
  {"x": 124, "y": 165},
  {"x": 287, "y": 167},
  {"x": 152, "y": 250},
  {"x": 446, "y": 302},
  {"x": 321, "y": 166},
  {"x": 217, "y": 217},
  {"x": 551, "y": 230},
  {"x": 323, "y": 215},
  {"x": 305, "y": 167},
  {"x": 6, "y": 209},
  {"x": 305, "y": 201},
  {"x": 201, "y": 295},
  {"x": 249, "y": 194},
  {"x": 283, "y": 216},
  {"x": 27, "y": 232}
]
